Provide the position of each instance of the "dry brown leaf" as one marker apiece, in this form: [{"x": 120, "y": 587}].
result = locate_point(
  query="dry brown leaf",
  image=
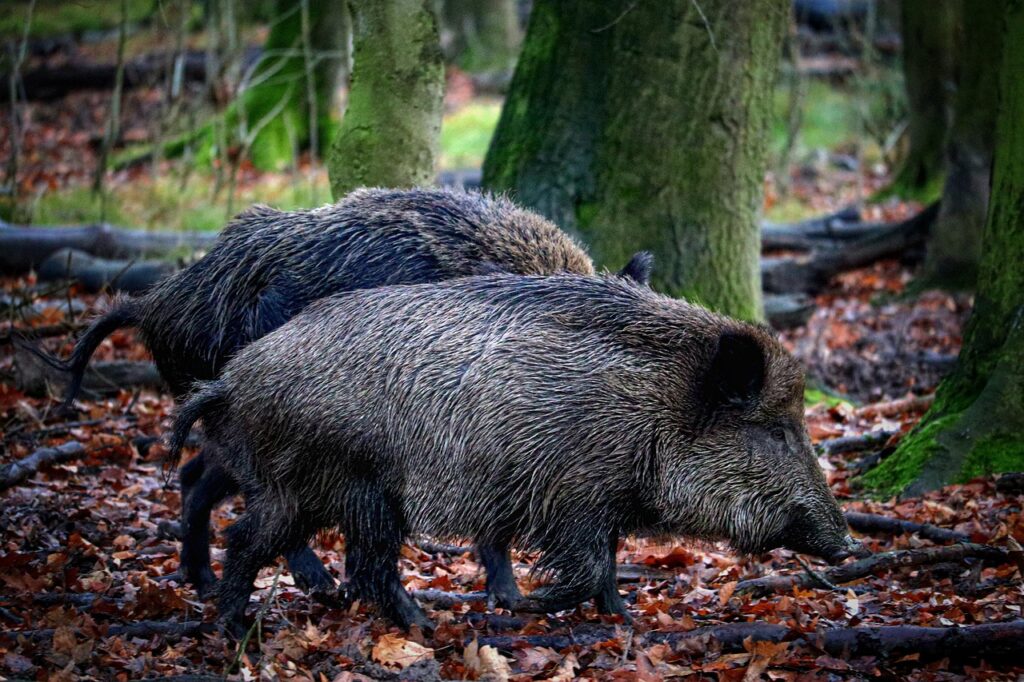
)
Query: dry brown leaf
[
  {"x": 485, "y": 663},
  {"x": 397, "y": 652}
]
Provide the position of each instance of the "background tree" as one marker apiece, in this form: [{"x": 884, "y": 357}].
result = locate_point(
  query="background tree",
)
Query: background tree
[
  {"x": 644, "y": 126},
  {"x": 928, "y": 30},
  {"x": 954, "y": 246},
  {"x": 390, "y": 133},
  {"x": 481, "y": 35},
  {"x": 976, "y": 425}
]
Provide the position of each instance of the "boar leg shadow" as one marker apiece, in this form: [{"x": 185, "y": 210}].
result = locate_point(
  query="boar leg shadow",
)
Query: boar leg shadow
[
  {"x": 374, "y": 532},
  {"x": 203, "y": 486}
]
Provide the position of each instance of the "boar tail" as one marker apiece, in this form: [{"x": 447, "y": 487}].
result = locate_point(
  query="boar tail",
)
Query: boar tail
[
  {"x": 124, "y": 313},
  {"x": 210, "y": 396}
]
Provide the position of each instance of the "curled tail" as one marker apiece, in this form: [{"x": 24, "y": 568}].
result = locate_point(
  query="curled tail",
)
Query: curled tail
[
  {"x": 124, "y": 313},
  {"x": 210, "y": 396}
]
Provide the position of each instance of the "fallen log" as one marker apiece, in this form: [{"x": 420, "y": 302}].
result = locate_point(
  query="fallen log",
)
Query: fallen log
[
  {"x": 847, "y": 444},
  {"x": 992, "y": 642},
  {"x": 788, "y": 311},
  {"x": 811, "y": 273},
  {"x": 36, "y": 378},
  {"x": 48, "y": 83},
  {"x": 98, "y": 274},
  {"x": 14, "y": 473},
  {"x": 23, "y": 248},
  {"x": 895, "y": 408},
  {"x": 876, "y": 523},
  {"x": 873, "y": 564},
  {"x": 1011, "y": 483}
]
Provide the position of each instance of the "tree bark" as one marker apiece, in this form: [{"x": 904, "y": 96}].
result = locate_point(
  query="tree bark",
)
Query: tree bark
[
  {"x": 484, "y": 34},
  {"x": 643, "y": 126},
  {"x": 928, "y": 35},
  {"x": 390, "y": 134},
  {"x": 954, "y": 247},
  {"x": 976, "y": 424}
]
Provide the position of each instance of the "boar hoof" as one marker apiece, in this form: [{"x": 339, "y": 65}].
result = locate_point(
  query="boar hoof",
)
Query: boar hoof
[
  {"x": 233, "y": 628},
  {"x": 204, "y": 581},
  {"x": 331, "y": 597},
  {"x": 509, "y": 598}
]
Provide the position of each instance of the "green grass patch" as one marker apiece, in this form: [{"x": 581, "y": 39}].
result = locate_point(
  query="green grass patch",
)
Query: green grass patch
[
  {"x": 62, "y": 17},
  {"x": 817, "y": 396},
  {"x": 167, "y": 204},
  {"x": 466, "y": 133}
]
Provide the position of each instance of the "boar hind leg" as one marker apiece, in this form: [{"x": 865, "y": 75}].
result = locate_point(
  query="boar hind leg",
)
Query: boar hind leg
[
  {"x": 311, "y": 576},
  {"x": 202, "y": 487},
  {"x": 373, "y": 536},
  {"x": 580, "y": 563},
  {"x": 501, "y": 581},
  {"x": 608, "y": 601},
  {"x": 254, "y": 541}
]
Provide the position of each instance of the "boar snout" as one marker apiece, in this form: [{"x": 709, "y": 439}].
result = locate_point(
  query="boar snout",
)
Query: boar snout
[{"x": 850, "y": 548}]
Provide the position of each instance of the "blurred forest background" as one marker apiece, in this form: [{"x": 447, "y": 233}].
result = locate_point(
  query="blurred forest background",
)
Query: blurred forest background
[{"x": 850, "y": 171}]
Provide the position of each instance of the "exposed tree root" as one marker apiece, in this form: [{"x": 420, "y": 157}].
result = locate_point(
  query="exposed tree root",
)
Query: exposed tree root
[
  {"x": 989, "y": 641},
  {"x": 145, "y": 628},
  {"x": 879, "y": 562},
  {"x": 845, "y": 444}
]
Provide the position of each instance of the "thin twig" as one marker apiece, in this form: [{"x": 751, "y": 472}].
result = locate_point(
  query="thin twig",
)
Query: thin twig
[{"x": 817, "y": 577}]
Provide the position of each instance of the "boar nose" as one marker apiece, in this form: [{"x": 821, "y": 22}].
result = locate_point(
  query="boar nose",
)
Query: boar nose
[{"x": 849, "y": 548}]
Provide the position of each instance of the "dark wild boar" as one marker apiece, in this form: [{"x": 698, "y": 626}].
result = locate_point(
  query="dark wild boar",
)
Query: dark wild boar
[
  {"x": 551, "y": 413},
  {"x": 268, "y": 265}
]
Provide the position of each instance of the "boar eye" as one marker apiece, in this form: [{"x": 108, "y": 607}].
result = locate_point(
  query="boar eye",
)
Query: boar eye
[{"x": 779, "y": 435}]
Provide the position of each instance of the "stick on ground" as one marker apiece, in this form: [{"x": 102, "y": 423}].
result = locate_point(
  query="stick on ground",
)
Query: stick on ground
[{"x": 14, "y": 473}]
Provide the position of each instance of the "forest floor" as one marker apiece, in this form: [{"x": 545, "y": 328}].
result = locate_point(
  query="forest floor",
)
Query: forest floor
[
  {"x": 88, "y": 561},
  {"x": 88, "y": 547}
]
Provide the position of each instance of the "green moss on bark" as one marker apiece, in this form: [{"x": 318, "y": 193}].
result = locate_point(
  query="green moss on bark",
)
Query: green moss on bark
[
  {"x": 976, "y": 425},
  {"x": 644, "y": 126},
  {"x": 391, "y": 130}
]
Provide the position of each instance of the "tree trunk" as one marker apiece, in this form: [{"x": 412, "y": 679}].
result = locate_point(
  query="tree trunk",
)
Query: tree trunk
[
  {"x": 954, "y": 247},
  {"x": 928, "y": 36},
  {"x": 484, "y": 34},
  {"x": 976, "y": 424},
  {"x": 276, "y": 108},
  {"x": 389, "y": 136},
  {"x": 643, "y": 126}
]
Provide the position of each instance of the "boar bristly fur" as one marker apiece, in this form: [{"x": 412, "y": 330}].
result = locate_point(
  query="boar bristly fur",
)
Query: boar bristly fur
[
  {"x": 268, "y": 265},
  {"x": 554, "y": 413}
]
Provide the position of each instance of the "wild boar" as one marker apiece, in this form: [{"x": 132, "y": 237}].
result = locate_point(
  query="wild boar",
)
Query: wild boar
[{"x": 551, "y": 413}]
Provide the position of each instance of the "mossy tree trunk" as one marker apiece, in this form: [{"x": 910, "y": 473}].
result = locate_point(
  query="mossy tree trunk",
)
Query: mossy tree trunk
[
  {"x": 954, "y": 247},
  {"x": 276, "y": 111},
  {"x": 484, "y": 34},
  {"x": 928, "y": 29},
  {"x": 390, "y": 134},
  {"x": 976, "y": 425},
  {"x": 644, "y": 126}
]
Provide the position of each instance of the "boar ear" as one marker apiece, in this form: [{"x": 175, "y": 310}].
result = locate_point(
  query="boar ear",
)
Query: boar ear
[
  {"x": 736, "y": 375},
  {"x": 639, "y": 268}
]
